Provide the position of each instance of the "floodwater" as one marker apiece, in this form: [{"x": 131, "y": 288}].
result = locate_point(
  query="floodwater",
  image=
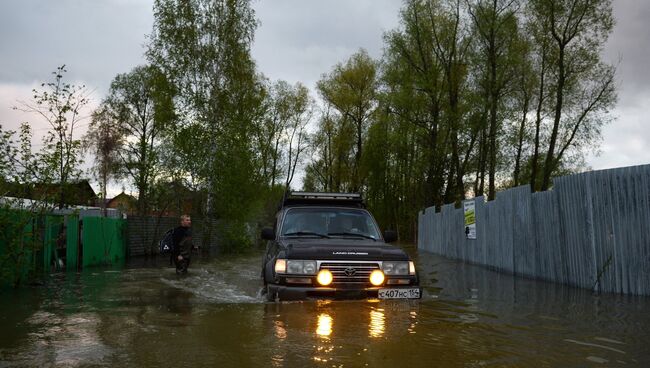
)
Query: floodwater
[{"x": 147, "y": 316}]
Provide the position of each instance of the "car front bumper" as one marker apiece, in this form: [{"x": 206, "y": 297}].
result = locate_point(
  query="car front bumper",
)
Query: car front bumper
[{"x": 283, "y": 292}]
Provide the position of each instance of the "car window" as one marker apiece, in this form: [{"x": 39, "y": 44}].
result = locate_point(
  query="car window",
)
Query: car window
[{"x": 330, "y": 221}]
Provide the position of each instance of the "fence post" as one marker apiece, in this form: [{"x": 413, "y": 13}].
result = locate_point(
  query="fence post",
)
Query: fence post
[{"x": 72, "y": 243}]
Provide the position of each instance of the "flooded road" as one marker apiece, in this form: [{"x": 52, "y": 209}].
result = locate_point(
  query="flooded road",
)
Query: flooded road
[{"x": 147, "y": 316}]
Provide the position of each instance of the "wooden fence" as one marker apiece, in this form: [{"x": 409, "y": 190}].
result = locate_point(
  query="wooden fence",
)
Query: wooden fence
[{"x": 592, "y": 230}]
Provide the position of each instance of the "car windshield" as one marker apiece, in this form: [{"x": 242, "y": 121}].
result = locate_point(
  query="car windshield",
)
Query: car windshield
[{"x": 329, "y": 222}]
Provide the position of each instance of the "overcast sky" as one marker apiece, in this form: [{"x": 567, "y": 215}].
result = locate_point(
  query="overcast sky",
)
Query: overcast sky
[{"x": 297, "y": 40}]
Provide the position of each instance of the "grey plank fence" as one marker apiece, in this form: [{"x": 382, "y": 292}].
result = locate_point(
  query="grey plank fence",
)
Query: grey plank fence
[{"x": 592, "y": 230}]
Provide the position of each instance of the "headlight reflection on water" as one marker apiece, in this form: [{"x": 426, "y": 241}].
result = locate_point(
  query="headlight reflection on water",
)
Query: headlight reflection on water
[
  {"x": 324, "y": 327},
  {"x": 323, "y": 331},
  {"x": 280, "y": 331},
  {"x": 413, "y": 315},
  {"x": 377, "y": 324}
]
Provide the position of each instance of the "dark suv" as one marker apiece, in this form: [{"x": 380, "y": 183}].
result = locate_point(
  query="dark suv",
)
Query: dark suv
[{"x": 327, "y": 245}]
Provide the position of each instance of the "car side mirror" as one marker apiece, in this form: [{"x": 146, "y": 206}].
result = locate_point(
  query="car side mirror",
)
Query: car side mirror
[
  {"x": 390, "y": 236},
  {"x": 268, "y": 233}
]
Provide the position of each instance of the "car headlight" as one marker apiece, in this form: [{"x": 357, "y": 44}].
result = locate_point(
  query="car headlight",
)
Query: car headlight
[
  {"x": 301, "y": 267},
  {"x": 397, "y": 268},
  {"x": 377, "y": 277},
  {"x": 280, "y": 266},
  {"x": 325, "y": 277}
]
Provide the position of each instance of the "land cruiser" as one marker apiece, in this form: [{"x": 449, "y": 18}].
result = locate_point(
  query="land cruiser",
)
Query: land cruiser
[{"x": 327, "y": 245}]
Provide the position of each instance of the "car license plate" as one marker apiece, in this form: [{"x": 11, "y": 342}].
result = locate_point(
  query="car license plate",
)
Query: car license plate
[{"x": 399, "y": 293}]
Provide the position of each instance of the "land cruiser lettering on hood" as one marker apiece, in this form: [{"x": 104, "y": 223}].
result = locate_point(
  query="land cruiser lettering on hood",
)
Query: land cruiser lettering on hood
[{"x": 351, "y": 253}]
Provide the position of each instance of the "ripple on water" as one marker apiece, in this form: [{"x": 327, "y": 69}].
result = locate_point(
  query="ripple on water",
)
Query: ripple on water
[{"x": 213, "y": 289}]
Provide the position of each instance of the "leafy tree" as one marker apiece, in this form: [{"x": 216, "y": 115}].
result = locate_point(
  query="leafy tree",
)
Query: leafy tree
[
  {"x": 328, "y": 147},
  {"x": 475, "y": 89},
  {"x": 270, "y": 133},
  {"x": 426, "y": 71},
  {"x": 103, "y": 139},
  {"x": 61, "y": 106},
  {"x": 520, "y": 132},
  {"x": 297, "y": 137},
  {"x": 573, "y": 33},
  {"x": 203, "y": 47},
  {"x": 351, "y": 89},
  {"x": 18, "y": 163},
  {"x": 19, "y": 238},
  {"x": 130, "y": 124},
  {"x": 495, "y": 26},
  {"x": 282, "y": 135}
]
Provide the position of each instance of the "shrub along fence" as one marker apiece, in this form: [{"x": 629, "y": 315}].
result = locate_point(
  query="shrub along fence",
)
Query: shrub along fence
[
  {"x": 592, "y": 230},
  {"x": 18, "y": 257}
]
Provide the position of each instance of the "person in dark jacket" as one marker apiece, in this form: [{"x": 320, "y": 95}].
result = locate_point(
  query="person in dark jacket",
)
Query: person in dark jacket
[{"x": 182, "y": 239}]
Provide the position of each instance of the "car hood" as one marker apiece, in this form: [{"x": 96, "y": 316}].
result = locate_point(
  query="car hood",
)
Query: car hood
[{"x": 342, "y": 249}]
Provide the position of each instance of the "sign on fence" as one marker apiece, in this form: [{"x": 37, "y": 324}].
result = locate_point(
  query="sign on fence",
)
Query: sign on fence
[{"x": 470, "y": 219}]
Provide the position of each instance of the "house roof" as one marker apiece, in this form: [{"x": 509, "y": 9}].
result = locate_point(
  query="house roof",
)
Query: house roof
[
  {"x": 75, "y": 193},
  {"x": 121, "y": 196}
]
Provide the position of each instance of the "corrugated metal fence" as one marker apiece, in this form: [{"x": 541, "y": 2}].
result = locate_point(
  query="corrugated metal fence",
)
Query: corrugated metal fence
[{"x": 591, "y": 230}]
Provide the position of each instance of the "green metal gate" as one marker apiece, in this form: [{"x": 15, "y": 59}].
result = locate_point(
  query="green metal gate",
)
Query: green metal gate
[
  {"x": 103, "y": 241},
  {"x": 34, "y": 243}
]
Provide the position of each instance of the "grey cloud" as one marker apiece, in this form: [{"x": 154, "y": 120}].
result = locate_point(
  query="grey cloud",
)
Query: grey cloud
[
  {"x": 629, "y": 42},
  {"x": 96, "y": 40},
  {"x": 300, "y": 40}
]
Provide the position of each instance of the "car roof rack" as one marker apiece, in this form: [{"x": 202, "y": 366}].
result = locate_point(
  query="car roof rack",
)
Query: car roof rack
[{"x": 337, "y": 199}]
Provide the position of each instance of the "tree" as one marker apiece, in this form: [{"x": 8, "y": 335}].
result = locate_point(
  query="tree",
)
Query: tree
[
  {"x": 104, "y": 138},
  {"x": 297, "y": 137},
  {"x": 203, "y": 47},
  {"x": 427, "y": 66},
  {"x": 282, "y": 135},
  {"x": 324, "y": 172},
  {"x": 270, "y": 132},
  {"x": 582, "y": 85},
  {"x": 131, "y": 121},
  {"x": 60, "y": 105},
  {"x": 351, "y": 89},
  {"x": 20, "y": 168},
  {"x": 332, "y": 150},
  {"x": 18, "y": 163},
  {"x": 495, "y": 25},
  {"x": 525, "y": 82}
]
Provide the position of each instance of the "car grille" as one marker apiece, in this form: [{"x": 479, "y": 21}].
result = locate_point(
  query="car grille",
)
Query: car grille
[{"x": 358, "y": 273}]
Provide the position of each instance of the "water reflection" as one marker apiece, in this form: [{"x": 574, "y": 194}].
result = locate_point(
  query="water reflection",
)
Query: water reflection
[
  {"x": 277, "y": 360},
  {"x": 475, "y": 317},
  {"x": 324, "y": 328},
  {"x": 65, "y": 340},
  {"x": 323, "y": 349},
  {"x": 413, "y": 315},
  {"x": 280, "y": 331},
  {"x": 377, "y": 323}
]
